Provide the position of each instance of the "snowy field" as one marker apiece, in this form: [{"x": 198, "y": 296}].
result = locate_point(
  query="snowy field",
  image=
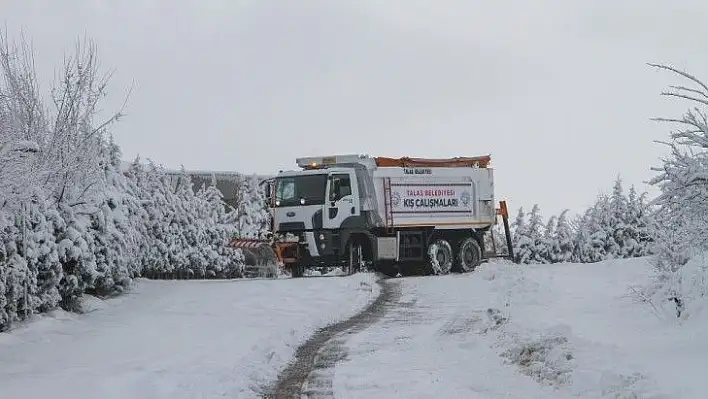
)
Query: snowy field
[
  {"x": 542, "y": 331},
  {"x": 176, "y": 339}
]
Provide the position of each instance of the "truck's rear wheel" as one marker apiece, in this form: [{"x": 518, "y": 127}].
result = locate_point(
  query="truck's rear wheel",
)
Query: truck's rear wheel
[
  {"x": 440, "y": 257},
  {"x": 469, "y": 255}
]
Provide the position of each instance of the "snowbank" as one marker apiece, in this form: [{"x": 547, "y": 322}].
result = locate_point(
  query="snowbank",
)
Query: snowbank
[
  {"x": 176, "y": 339},
  {"x": 541, "y": 331}
]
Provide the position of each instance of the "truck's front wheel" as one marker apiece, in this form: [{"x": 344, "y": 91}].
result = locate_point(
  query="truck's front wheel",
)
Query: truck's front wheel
[
  {"x": 297, "y": 270},
  {"x": 355, "y": 260},
  {"x": 440, "y": 257}
]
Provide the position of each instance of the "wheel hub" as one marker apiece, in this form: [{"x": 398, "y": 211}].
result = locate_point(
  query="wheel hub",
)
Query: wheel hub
[{"x": 440, "y": 257}]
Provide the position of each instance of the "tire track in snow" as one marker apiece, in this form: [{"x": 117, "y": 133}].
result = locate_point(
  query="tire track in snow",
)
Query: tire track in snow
[{"x": 310, "y": 374}]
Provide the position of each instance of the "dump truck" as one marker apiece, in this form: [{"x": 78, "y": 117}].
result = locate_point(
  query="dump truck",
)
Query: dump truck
[{"x": 394, "y": 215}]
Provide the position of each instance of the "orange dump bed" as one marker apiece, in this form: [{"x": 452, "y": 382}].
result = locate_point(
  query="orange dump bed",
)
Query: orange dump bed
[{"x": 464, "y": 162}]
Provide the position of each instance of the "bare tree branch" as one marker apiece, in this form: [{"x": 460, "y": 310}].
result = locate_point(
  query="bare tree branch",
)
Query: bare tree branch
[
  {"x": 71, "y": 139},
  {"x": 688, "y": 89},
  {"x": 685, "y": 96},
  {"x": 682, "y": 73}
]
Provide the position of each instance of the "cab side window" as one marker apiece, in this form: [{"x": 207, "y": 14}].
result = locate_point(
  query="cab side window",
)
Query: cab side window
[{"x": 340, "y": 187}]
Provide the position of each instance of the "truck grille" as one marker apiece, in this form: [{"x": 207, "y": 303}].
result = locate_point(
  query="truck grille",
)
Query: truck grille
[{"x": 291, "y": 227}]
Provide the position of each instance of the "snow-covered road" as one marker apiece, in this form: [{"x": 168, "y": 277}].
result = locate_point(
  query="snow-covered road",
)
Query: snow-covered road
[
  {"x": 504, "y": 331},
  {"x": 525, "y": 332},
  {"x": 176, "y": 339}
]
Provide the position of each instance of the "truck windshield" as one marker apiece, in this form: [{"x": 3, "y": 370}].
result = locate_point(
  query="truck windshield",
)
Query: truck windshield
[{"x": 300, "y": 190}]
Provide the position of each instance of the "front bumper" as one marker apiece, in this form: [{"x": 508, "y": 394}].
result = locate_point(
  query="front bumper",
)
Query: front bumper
[{"x": 316, "y": 244}]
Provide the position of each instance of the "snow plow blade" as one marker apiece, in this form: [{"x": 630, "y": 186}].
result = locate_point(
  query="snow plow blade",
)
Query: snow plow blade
[
  {"x": 286, "y": 253},
  {"x": 248, "y": 243}
]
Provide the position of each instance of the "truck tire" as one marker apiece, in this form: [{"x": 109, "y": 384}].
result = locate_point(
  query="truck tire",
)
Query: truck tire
[
  {"x": 355, "y": 257},
  {"x": 387, "y": 267},
  {"x": 440, "y": 258},
  {"x": 297, "y": 270},
  {"x": 469, "y": 255}
]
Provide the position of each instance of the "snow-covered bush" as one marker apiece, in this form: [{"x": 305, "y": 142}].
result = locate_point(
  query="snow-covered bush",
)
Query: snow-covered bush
[
  {"x": 615, "y": 226},
  {"x": 495, "y": 239},
  {"x": 562, "y": 241},
  {"x": 521, "y": 242},
  {"x": 71, "y": 222},
  {"x": 253, "y": 219},
  {"x": 186, "y": 232}
]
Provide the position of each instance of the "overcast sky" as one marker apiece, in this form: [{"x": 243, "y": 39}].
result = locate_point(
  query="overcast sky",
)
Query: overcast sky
[{"x": 557, "y": 91}]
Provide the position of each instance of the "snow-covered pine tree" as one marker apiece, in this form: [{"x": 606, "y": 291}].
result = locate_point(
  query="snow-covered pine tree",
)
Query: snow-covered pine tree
[
  {"x": 581, "y": 237},
  {"x": 88, "y": 227},
  {"x": 70, "y": 139},
  {"x": 40, "y": 250},
  {"x": 564, "y": 245},
  {"x": 527, "y": 237},
  {"x": 616, "y": 219},
  {"x": 253, "y": 216},
  {"x": 592, "y": 237},
  {"x": 644, "y": 225},
  {"x": 76, "y": 249},
  {"x": 499, "y": 240},
  {"x": 549, "y": 245},
  {"x": 154, "y": 194},
  {"x": 609, "y": 226},
  {"x": 221, "y": 229},
  {"x": 137, "y": 182},
  {"x": 115, "y": 227},
  {"x": 597, "y": 232},
  {"x": 535, "y": 234},
  {"x": 187, "y": 227},
  {"x": 638, "y": 224},
  {"x": 17, "y": 277},
  {"x": 522, "y": 244},
  {"x": 6, "y": 314}
]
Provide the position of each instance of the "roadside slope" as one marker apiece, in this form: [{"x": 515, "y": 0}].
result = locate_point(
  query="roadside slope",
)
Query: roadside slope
[
  {"x": 177, "y": 339},
  {"x": 509, "y": 331}
]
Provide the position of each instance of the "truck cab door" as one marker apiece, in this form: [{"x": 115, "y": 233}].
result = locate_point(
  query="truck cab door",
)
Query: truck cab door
[{"x": 342, "y": 199}]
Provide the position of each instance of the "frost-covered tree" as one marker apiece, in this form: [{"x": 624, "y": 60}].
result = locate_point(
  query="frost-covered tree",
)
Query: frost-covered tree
[
  {"x": 496, "y": 239},
  {"x": 521, "y": 242},
  {"x": 186, "y": 233},
  {"x": 221, "y": 228},
  {"x": 564, "y": 246},
  {"x": 253, "y": 216},
  {"x": 638, "y": 240},
  {"x": 616, "y": 220},
  {"x": 116, "y": 226},
  {"x": 682, "y": 214},
  {"x": 614, "y": 226},
  {"x": 549, "y": 243},
  {"x": 535, "y": 234},
  {"x": 527, "y": 239},
  {"x": 40, "y": 250},
  {"x": 71, "y": 221},
  {"x": 68, "y": 141},
  {"x": 595, "y": 241}
]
